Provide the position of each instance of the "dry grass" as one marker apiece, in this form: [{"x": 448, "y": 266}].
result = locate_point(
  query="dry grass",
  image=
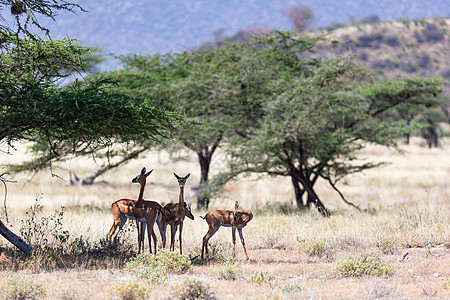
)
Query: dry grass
[{"x": 406, "y": 207}]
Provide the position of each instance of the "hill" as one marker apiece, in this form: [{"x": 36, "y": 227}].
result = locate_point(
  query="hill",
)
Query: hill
[
  {"x": 403, "y": 48},
  {"x": 124, "y": 26}
]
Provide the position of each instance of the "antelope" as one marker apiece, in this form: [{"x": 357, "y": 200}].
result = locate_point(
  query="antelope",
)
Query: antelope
[
  {"x": 236, "y": 219},
  {"x": 178, "y": 212},
  {"x": 164, "y": 220},
  {"x": 139, "y": 210}
]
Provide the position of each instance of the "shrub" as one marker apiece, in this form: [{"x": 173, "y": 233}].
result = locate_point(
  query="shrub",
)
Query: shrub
[
  {"x": 261, "y": 277},
  {"x": 173, "y": 262},
  {"x": 446, "y": 283},
  {"x": 446, "y": 74},
  {"x": 226, "y": 270},
  {"x": 384, "y": 64},
  {"x": 387, "y": 245},
  {"x": 130, "y": 291},
  {"x": 391, "y": 40},
  {"x": 156, "y": 268},
  {"x": 409, "y": 67},
  {"x": 424, "y": 61},
  {"x": 370, "y": 41},
  {"x": 432, "y": 33},
  {"x": 218, "y": 251},
  {"x": 364, "y": 264},
  {"x": 315, "y": 247},
  {"x": 20, "y": 288},
  {"x": 192, "y": 289}
]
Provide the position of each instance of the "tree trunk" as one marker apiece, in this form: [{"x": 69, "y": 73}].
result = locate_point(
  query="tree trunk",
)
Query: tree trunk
[
  {"x": 312, "y": 196},
  {"x": 14, "y": 239},
  {"x": 205, "y": 162},
  {"x": 407, "y": 135},
  {"x": 298, "y": 193}
]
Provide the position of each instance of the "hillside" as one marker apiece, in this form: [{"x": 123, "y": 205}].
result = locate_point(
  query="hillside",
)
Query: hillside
[
  {"x": 124, "y": 26},
  {"x": 404, "y": 48}
]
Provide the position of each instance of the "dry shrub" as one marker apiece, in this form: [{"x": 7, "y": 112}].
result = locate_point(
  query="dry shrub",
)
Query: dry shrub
[
  {"x": 22, "y": 288},
  {"x": 155, "y": 268},
  {"x": 387, "y": 245},
  {"x": 364, "y": 264},
  {"x": 379, "y": 291},
  {"x": 315, "y": 247},
  {"x": 261, "y": 277},
  {"x": 192, "y": 289},
  {"x": 130, "y": 291},
  {"x": 225, "y": 270},
  {"x": 446, "y": 283}
]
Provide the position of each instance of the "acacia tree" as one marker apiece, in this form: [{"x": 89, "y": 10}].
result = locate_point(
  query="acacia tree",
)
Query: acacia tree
[
  {"x": 313, "y": 129},
  {"x": 80, "y": 118},
  {"x": 211, "y": 88}
]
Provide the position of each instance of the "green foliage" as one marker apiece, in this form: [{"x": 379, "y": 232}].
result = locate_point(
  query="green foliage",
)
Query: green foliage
[
  {"x": 261, "y": 277},
  {"x": 156, "y": 268},
  {"x": 19, "y": 288},
  {"x": 192, "y": 289},
  {"x": 364, "y": 264},
  {"x": 315, "y": 247},
  {"x": 133, "y": 290}
]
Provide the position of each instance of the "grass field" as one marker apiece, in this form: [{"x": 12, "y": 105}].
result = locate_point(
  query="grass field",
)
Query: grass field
[{"x": 293, "y": 254}]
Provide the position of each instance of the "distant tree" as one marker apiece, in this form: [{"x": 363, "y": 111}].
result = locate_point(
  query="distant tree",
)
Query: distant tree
[{"x": 300, "y": 16}]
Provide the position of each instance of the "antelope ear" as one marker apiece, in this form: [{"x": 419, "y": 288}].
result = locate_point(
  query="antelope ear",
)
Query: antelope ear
[
  {"x": 143, "y": 171},
  {"x": 149, "y": 172},
  {"x": 176, "y": 175},
  {"x": 187, "y": 176}
]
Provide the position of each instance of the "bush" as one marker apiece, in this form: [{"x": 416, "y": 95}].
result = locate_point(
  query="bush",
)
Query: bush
[
  {"x": 391, "y": 40},
  {"x": 370, "y": 41},
  {"x": 20, "y": 288},
  {"x": 387, "y": 245},
  {"x": 364, "y": 264},
  {"x": 173, "y": 262},
  {"x": 446, "y": 283},
  {"x": 424, "y": 61},
  {"x": 226, "y": 270},
  {"x": 432, "y": 33},
  {"x": 385, "y": 64},
  {"x": 219, "y": 251},
  {"x": 409, "y": 67},
  {"x": 192, "y": 289},
  {"x": 156, "y": 268},
  {"x": 261, "y": 277},
  {"x": 130, "y": 291},
  {"x": 315, "y": 247}
]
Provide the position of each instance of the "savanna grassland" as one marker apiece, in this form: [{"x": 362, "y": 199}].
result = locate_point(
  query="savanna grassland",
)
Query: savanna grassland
[{"x": 397, "y": 246}]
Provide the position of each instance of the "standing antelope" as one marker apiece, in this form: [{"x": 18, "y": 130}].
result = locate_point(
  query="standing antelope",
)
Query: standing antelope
[
  {"x": 236, "y": 219},
  {"x": 139, "y": 210},
  {"x": 177, "y": 215},
  {"x": 164, "y": 220}
]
